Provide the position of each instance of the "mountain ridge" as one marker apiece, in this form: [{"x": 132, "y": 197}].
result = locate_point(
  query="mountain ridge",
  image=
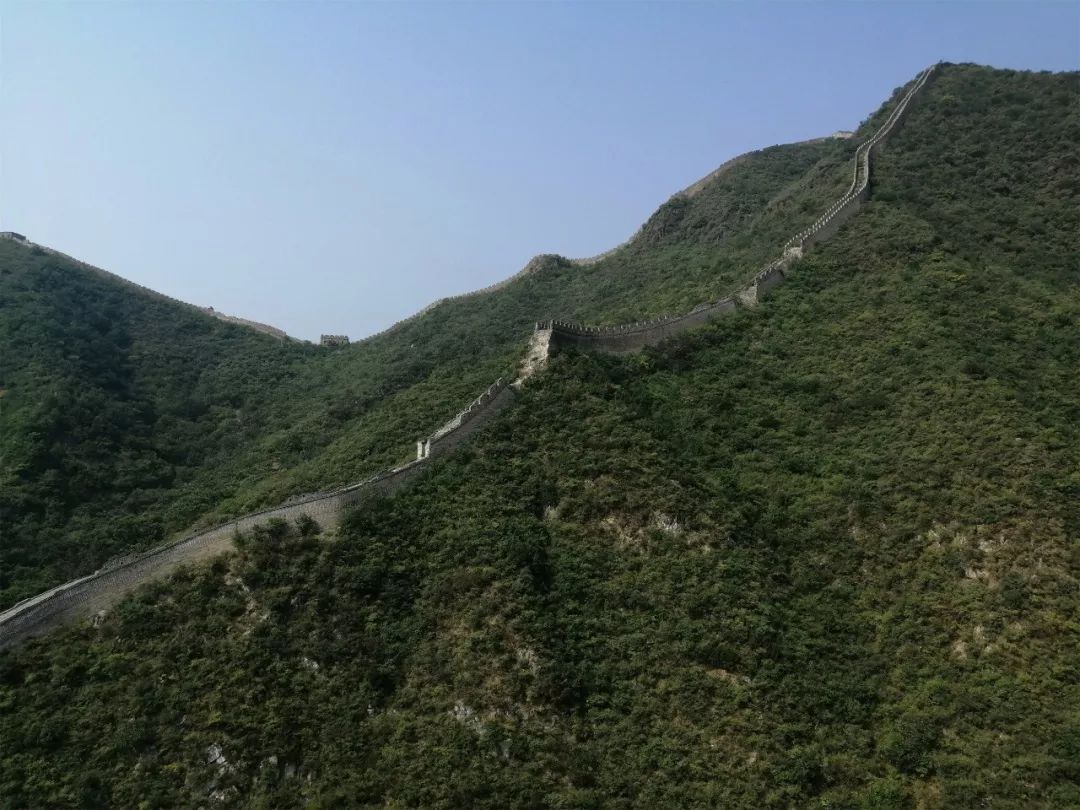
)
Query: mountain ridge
[
  {"x": 315, "y": 421},
  {"x": 273, "y": 331},
  {"x": 815, "y": 553},
  {"x": 45, "y": 610}
]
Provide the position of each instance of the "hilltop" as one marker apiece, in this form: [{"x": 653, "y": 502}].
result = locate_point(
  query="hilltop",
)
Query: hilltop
[{"x": 819, "y": 552}]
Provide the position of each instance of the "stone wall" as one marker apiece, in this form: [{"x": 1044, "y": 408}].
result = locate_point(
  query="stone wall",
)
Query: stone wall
[
  {"x": 82, "y": 598},
  {"x": 858, "y": 191},
  {"x": 633, "y": 337},
  {"x": 696, "y": 188},
  {"x": 539, "y": 261},
  {"x": 265, "y": 328},
  {"x": 479, "y": 412}
]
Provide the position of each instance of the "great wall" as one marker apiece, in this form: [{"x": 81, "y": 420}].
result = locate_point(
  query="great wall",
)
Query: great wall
[{"x": 83, "y": 598}]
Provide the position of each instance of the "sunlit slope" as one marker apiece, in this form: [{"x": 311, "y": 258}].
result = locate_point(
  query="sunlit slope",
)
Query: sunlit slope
[
  {"x": 822, "y": 552},
  {"x": 460, "y": 345}
]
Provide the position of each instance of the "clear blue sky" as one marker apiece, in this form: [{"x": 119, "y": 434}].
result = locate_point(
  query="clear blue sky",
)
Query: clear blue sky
[{"x": 333, "y": 167}]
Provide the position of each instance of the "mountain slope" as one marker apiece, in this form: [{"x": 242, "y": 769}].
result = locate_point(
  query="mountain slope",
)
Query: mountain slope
[
  {"x": 158, "y": 419},
  {"x": 115, "y": 401},
  {"x": 821, "y": 552}
]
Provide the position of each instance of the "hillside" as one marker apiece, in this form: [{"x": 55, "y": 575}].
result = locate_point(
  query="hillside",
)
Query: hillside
[
  {"x": 158, "y": 419},
  {"x": 115, "y": 403},
  {"x": 822, "y": 552}
]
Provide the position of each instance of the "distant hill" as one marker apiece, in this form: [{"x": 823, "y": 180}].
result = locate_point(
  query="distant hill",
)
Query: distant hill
[{"x": 820, "y": 553}]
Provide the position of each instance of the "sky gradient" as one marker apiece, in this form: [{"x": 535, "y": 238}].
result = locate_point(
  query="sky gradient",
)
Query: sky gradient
[{"x": 333, "y": 167}]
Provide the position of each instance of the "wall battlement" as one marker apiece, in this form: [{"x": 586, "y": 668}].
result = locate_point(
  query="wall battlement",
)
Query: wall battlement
[
  {"x": 475, "y": 416},
  {"x": 631, "y": 337}
]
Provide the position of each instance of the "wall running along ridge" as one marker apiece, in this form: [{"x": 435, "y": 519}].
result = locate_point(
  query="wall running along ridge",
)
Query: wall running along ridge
[
  {"x": 84, "y": 597},
  {"x": 697, "y": 187},
  {"x": 457, "y": 430},
  {"x": 626, "y": 338},
  {"x": 541, "y": 260}
]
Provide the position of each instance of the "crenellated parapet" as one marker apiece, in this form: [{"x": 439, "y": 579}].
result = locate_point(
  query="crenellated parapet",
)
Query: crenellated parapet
[
  {"x": 859, "y": 190},
  {"x": 471, "y": 419},
  {"x": 631, "y": 337}
]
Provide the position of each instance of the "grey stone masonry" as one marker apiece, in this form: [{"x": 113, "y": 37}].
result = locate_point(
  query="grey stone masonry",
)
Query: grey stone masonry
[
  {"x": 479, "y": 412},
  {"x": 631, "y": 337}
]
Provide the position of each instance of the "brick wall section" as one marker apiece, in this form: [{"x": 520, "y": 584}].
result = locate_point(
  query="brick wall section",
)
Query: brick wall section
[
  {"x": 631, "y": 337},
  {"x": 480, "y": 411}
]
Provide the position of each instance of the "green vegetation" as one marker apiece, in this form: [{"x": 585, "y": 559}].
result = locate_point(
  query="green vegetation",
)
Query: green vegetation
[{"x": 821, "y": 553}]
